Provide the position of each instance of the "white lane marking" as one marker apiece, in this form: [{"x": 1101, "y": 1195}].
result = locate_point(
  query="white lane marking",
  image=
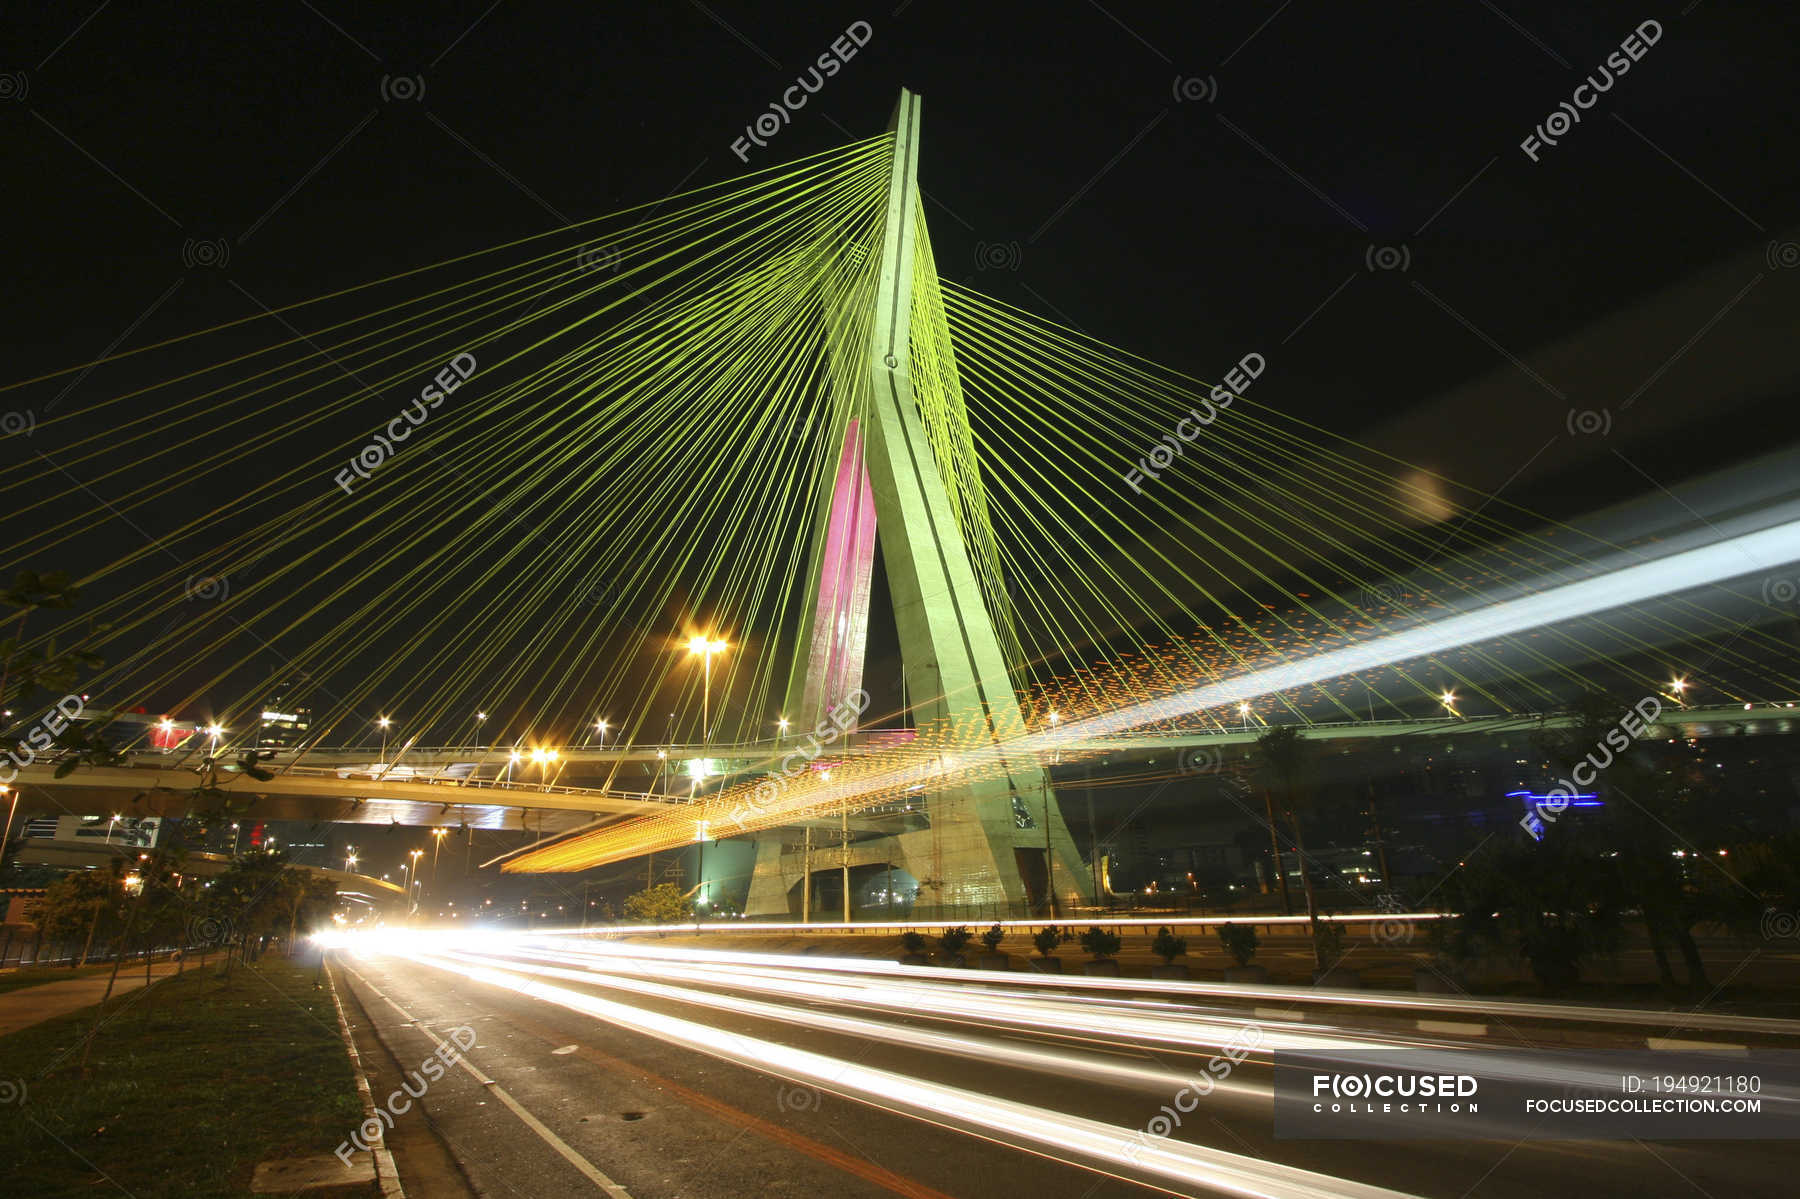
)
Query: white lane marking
[
  {"x": 1277, "y": 1013},
  {"x": 582, "y": 1164},
  {"x": 1455, "y": 1028},
  {"x": 1676, "y": 1044},
  {"x": 566, "y": 1049}
]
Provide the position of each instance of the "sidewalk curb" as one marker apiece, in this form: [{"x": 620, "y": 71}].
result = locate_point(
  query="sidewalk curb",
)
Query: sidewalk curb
[{"x": 386, "y": 1176}]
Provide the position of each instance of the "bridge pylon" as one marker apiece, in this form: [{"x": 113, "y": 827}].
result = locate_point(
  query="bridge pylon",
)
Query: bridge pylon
[{"x": 982, "y": 843}]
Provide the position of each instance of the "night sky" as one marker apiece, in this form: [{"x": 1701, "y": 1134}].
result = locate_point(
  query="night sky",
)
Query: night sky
[{"x": 1338, "y": 187}]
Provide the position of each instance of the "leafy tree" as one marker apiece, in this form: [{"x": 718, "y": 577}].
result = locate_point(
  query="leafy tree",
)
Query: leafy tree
[
  {"x": 662, "y": 904},
  {"x": 1167, "y": 945},
  {"x": 86, "y": 906},
  {"x": 1283, "y": 759},
  {"x": 1553, "y": 903},
  {"x": 1100, "y": 942},
  {"x": 992, "y": 938},
  {"x": 952, "y": 940},
  {"x": 1048, "y": 938},
  {"x": 912, "y": 941},
  {"x": 1238, "y": 940}
]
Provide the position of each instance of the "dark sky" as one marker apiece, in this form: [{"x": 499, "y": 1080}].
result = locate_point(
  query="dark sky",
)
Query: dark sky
[{"x": 1189, "y": 182}]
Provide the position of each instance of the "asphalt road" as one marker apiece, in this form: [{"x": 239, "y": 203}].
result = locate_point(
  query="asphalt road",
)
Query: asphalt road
[{"x": 587, "y": 1074}]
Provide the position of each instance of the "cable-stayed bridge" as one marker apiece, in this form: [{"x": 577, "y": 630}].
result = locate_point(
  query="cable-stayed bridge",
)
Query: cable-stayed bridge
[{"x": 687, "y": 463}]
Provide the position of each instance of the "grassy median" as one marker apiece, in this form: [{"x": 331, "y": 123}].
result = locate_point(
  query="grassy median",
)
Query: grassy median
[{"x": 190, "y": 1084}]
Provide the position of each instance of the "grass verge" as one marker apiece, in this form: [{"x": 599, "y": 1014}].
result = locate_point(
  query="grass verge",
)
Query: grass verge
[{"x": 190, "y": 1084}]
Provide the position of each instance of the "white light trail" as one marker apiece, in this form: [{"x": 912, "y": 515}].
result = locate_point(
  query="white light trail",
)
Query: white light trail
[
  {"x": 1052, "y": 1134},
  {"x": 1682, "y": 571}
]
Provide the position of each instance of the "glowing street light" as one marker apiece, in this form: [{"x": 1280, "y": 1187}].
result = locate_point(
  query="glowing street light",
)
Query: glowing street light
[
  {"x": 350, "y": 859},
  {"x": 706, "y": 647},
  {"x": 781, "y": 727},
  {"x": 437, "y": 843},
  {"x": 1449, "y": 701},
  {"x": 382, "y": 724}
]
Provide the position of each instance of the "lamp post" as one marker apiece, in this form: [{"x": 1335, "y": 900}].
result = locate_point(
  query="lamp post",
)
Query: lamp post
[
  {"x": 415, "y": 855},
  {"x": 781, "y": 727},
  {"x": 706, "y": 647},
  {"x": 383, "y": 723},
  {"x": 600, "y": 728},
  {"x": 11, "y": 811},
  {"x": 350, "y": 860},
  {"x": 480, "y": 719},
  {"x": 437, "y": 843}
]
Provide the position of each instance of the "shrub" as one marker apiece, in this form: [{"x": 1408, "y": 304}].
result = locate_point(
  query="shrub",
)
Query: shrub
[
  {"x": 1048, "y": 938},
  {"x": 1239, "y": 941},
  {"x": 1328, "y": 942},
  {"x": 912, "y": 942},
  {"x": 992, "y": 938},
  {"x": 1167, "y": 945},
  {"x": 952, "y": 940},
  {"x": 1100, "y": 942}
]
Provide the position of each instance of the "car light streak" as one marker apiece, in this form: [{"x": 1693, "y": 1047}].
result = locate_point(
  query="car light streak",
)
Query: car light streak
[
  {"x": 1098, "y": 1070},
  {"x": 1048, "y": 1133}
]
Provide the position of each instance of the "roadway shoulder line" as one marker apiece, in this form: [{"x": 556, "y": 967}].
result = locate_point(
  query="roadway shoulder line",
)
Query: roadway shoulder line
[
  {"x": 1278, "y": 1013},
  {"x": 1453, "y": 1027},
  {"x": 386, "y": 1176},
  {"x": 562, "y": 1147},
  {"x": 1676, "y": 1044}
]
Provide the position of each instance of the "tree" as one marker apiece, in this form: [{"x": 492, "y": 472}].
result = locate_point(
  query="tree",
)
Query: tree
[
  {"x": 662, "y": 904},
  {"x": 1283, "y": 758},
  {"x": 1100, "y": 942},
  {"x": 1167, "y": 945},
  {"x": 1553, "y": 903},
  {"x": 1238, "y": 940},
  {"x": 84, "y": 905}
]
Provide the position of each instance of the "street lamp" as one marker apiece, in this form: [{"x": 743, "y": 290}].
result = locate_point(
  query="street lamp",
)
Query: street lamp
[
  {"x": 781, "y": 727},
  {"x": 480, "y": 719},
  {"x": 437, "y": 843},
  {"x": 350, "y": 859},
  {"x": 600, "y": 728},
  {"x": 1449, "y": 700},
  {"x": 10, "y": 812},
  {"x": 413, "y": 877},
  {"x": 1244, "y": 711},
  {"x": 706, "y": 647},
  {"x": 1678, "y": 686},
  {"x": 383, "y": 725}
]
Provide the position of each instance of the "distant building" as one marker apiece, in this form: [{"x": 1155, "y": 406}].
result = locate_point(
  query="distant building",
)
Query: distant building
[{"x": 284, "y": 720}]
